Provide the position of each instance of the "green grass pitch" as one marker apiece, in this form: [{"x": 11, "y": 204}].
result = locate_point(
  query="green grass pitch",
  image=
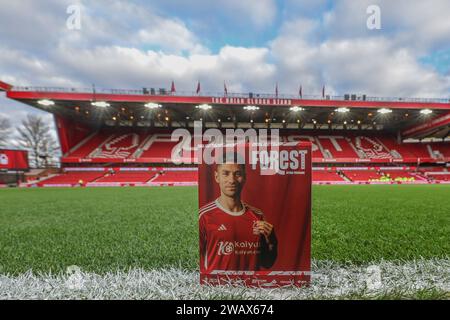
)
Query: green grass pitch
[{"x": 105, "y": 229}]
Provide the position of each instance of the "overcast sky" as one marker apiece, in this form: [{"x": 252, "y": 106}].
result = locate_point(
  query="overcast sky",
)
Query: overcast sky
[{"x": 250, "y": 44}]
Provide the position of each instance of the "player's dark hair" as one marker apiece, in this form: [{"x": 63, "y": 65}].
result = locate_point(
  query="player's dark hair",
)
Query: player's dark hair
[{"x": 231, "y": 157}]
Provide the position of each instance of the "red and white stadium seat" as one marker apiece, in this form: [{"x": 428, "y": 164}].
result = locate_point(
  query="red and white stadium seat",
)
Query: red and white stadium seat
[
  {"x": 361, "y": 175},
  {"x": 71, "y": 178},
  {"x": 128, "y": 177},
  {"x": 157, "y": 147},
  {"x": 177, "y": 176},
  {"x": 325, "y": 176}
]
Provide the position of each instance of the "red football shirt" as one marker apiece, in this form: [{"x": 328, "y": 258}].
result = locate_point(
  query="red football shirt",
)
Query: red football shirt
[{"x": 227, "y": 239}]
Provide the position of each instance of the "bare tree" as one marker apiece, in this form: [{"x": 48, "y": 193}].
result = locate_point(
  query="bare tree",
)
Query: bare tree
[
  {"x": 35, "y": 135},
  {"x": 5, "y": 131}
]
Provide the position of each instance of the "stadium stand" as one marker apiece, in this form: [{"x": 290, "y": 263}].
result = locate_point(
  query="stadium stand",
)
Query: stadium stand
[
  {"x": 398, "y": 150},
  {"x": 444, "y": 149},
  {"x": 71, "y": 178},
  {"x": 325, "y": 176},
  {"x": 432, "y": 169},
  {"x": 337, "y": 147},
  {"x": 39, "y": 174},
  {"x": 124, "y": 147},
  {"x": 422, "y": 151},
  {"x": 127, "y": 177},
  {"x": 436, "y": 174},
  {"x": 188, "y": 176},
  {"x": 439, "y": 177},
  {"x": 120, "y": 177},
  {"x": 132, "y": 129},
  {"x": 392, "y": 174},
  {"x": 361, "y": 175},
  {"x": 85, "y": 147},
  {"x": 177, "y": 176},
  {"x": 157, "y": 148}
]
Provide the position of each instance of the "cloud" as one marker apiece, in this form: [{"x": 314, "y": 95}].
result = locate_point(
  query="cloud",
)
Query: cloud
[
  {"x": 420, "y": 25},
  {"x": 372, "y": 65},
  {"x": 376, "y": 67},
  {"x": 39, "y": 27},
  {"x": 123, "y": 23},
  {"x": 423, "y": 25},
  {"x": 294, "y": 9},
  {"x": 129, "y": 67},
  {"x": 171, "y": 36},
  {"x": 249, "y": 13},
  {"x": 260, "y": 12},
  {"x": 31, "y": 25},
  {"x": 22, "y": 68}
]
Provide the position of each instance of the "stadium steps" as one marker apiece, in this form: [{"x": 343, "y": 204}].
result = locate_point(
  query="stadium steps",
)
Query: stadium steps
[
  {"x": 29, "y": 183},
  {"x": 325, "y": 153},
  {"x": 418, "y": 176},
  {"x": 435, "y": 154},
  {"x": 98, "y": 149},
  {"x": 35, "y": 174},
  {"x": 81, "y": 143},
  {"x": 141, "y": 148},
  {"x": 95, "y": 180},
  {"x": 154, "y": 177},
  {"x": 394, "y": 153},
  {"x": 343, "y": 176},
  {"x": 151, "y": 179},
  {"x": 360, "y": 154}
]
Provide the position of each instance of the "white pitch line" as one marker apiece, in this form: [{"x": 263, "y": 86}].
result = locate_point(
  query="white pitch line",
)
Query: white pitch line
[{"x": 330, "y": 280}]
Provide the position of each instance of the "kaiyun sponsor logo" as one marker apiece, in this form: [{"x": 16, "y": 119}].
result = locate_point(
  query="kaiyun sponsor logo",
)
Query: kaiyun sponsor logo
[{"x": 237, "y": 247}]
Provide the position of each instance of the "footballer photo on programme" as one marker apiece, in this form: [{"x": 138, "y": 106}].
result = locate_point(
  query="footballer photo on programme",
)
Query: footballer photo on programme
[
  {"x": 234, "y": 234},
  {"x": 248, "y": 233}
]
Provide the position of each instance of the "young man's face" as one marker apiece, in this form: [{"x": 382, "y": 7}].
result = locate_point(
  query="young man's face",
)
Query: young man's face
[{"x": 231, "y": 178}]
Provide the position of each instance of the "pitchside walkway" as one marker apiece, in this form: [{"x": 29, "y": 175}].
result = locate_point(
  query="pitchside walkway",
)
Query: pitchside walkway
[{"x": 155, "y": 176}]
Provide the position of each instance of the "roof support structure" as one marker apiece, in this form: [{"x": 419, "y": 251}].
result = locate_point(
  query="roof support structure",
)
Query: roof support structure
[{"x": 432, "y": 125}]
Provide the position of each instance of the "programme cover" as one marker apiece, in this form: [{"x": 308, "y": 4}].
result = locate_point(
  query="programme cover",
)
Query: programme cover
[{"x": 255, "y": 216}]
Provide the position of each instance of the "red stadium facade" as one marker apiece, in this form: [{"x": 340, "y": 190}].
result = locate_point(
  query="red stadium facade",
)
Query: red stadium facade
[
  {"x": 13, "y": 164},
  {"x": 109, "y": 135},
  {"x": 13, "y": 160}
]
